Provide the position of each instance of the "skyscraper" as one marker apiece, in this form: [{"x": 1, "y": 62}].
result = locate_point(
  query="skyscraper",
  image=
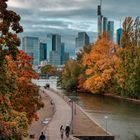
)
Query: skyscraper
[
  {"x": 105, "y": 22},
  {"x": 99, "y": 14},
  {"x": 31, "y": 46},
  {"x": 111, "y": 29},
  {"x": 55, "y": 58},
  {"x": 53, "y": 44},
  {"x": 43, "y": 51},
  {"x": 119, "y": 35},
  {"x": 55, "y": 50},
  {"x": 81, "y": 41}
]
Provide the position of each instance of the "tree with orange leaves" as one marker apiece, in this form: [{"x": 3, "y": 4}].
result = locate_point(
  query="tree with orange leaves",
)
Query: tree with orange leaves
[
  {"x": 17, "y": 92},
  {"x": 9, "y": 27},
  {"x": 82, "y": 76},
  {"x": 26, "y": 91},
  {"x": 100, "y": 65}
]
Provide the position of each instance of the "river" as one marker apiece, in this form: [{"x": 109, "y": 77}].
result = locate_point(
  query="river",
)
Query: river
[{"x": 123, "y": 117}]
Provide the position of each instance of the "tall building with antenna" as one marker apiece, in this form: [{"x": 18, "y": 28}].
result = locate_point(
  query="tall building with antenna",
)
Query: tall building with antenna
[
  {"x": 99, "y": 14},
  {"x": 103, "y": 24}
]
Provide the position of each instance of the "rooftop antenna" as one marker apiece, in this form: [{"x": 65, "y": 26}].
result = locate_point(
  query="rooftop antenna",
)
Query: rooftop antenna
[
  {"x": 100, "y": 2},
  {"x": 120, "y": 23}
]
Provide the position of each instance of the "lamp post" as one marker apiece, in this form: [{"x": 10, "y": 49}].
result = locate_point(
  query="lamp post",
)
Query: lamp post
[
  {"x": 1, "y": 20},
  {"x": 106, "y": 117},
  {"x": 70, "y": 101}
]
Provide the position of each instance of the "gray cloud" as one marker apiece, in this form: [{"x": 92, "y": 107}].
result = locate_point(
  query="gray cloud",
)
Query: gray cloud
[{"x": 67, "y": 17}]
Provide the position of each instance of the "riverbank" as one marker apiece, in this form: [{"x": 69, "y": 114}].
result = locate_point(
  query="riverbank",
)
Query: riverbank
[
  {"x": 118, "y": 97},
  {"x": 123, "y": 116},
  {"x": 82, "y": 125},
  {"x": 47, "y": 112},
  {"x": 85, "y": 126},
  {"x": 123, "y": 98}
]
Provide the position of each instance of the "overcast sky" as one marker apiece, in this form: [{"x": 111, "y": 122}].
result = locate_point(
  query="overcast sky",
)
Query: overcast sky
[{"x": 68, "y": 17}]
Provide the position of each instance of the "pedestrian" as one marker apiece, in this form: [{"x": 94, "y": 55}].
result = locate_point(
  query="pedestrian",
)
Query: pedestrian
[
  {"x": 52, "y": 102},
  {"x": 62, "y": 131},
  {"x": 42, "y": 137},
  {"x": 67, "y": 130}
]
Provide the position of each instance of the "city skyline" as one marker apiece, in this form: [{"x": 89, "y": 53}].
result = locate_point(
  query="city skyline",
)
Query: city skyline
[{"x": 69, "y": 17}]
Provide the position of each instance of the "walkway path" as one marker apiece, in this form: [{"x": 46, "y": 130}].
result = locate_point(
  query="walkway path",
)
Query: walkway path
[{"x": 62, "y": 116}]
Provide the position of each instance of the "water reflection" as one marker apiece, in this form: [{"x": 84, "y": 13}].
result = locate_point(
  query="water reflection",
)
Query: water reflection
[{"x": 123, "y": 116}]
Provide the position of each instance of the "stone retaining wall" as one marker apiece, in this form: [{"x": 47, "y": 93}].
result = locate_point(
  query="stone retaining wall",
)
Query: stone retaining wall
[{"x": 95, "y": 137}]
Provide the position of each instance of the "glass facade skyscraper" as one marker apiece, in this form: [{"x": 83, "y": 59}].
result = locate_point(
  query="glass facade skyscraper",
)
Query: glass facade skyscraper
[
  {"x": 111, "y": 29},
  {"x": 119, "y": 35},
  {"x": 55, "y": 50},
  {"x": 31, "y": 46},
  {"x": 81, "y": 41},
  {"x": 43, "y": 51},
  {"x": 55, "y": 58},
  {"x": 105, "y": 22},
  {"x": 100, "y": 17},
  {"x": 53, "y": 44}
]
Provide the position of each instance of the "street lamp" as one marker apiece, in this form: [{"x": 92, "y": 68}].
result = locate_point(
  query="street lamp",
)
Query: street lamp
[
  {"x": 1, "y": 20},
  {"x": 70, "y": 101},
  {"x": 106, "y": 117}
]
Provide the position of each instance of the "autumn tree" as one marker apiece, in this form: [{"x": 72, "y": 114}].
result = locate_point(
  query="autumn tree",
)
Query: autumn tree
[
  {"x": 48, "y": 69},
  {"x": 129, "y": 55},
  {"x": 100, "y": 66},
  {"x": 15, "y": 79},
  {"x": 70, "y": 75},
  {"x": 85, "y": 49},
  {"x": 9, "y": 27},
  {"x": 26, "y": 91},
  {"x": 82, "y": 76}
]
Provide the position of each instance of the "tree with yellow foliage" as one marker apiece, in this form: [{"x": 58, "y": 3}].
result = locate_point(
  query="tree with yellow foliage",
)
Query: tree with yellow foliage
[{"x": 100, "y": 65}]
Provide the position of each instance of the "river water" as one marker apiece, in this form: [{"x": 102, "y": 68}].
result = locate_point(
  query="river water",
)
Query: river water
[{"x": 123, "y": 117}]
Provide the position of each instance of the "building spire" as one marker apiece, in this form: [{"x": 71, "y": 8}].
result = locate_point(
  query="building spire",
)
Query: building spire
[
  {"x": 120, "y": 23},
  {"x": 101, "y": 3}
]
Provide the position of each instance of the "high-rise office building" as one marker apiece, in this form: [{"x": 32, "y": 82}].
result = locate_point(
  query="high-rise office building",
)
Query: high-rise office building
[
  {"x": 65, "y": 57},
  {"x": 81, "y": 41},
  {"x": 31, "y": 46},
  {"x": 55, "y": 58},
  {"x": 53, "y": 44},
  {"x": 55, "y": 50},
  {"x": 119, "y": 35},
  {"x": 62, "y": 53},
  {"x": 105, "y": 23},
  {"x": 111, "y": 29},
  {"x": 99, "y": 14},
  {"x": 43, "y": 51}
]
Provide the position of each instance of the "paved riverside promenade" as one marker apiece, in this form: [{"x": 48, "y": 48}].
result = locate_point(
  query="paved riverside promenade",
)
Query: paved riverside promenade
[
  {"x": 83, "y": 126},
  {"x": 62, "y": 116},
  {"x": 86, "y": 128}
]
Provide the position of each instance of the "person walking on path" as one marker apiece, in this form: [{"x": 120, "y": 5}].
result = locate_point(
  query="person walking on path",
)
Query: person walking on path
[
  {"x": 62, "y": 131},
  {"x": 67, "y": 130},
  {"x": 42, "y": 137},
  {"x": 60, "y": 107}
]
